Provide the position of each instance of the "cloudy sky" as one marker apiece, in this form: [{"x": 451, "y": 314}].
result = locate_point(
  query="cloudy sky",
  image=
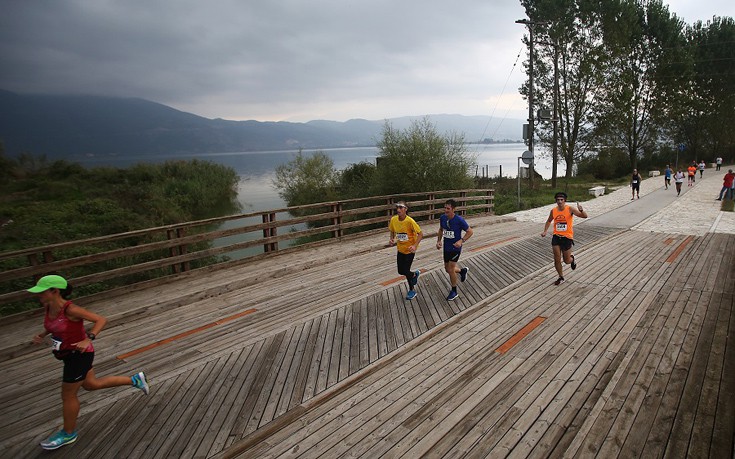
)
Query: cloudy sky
[{"x": 281, "y": 60}]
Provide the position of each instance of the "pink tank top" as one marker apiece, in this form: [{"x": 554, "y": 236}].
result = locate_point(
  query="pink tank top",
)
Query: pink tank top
[{"x": 65, "y": 332}]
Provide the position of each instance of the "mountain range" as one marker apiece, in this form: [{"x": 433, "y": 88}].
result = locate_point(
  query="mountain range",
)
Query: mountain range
[{"x": 69, "y": 126}]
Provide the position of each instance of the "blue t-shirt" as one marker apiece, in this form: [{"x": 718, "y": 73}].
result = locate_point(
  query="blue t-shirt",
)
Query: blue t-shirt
[
  {"x": 667, "y": 173},
  {"x": 452, "y": 231}
]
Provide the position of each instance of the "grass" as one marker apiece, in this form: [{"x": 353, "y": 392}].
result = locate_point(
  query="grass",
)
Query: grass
[{"x": 542, "y": 193}]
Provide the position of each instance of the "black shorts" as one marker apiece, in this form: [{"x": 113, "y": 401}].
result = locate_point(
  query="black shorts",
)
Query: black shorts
[
  {"x": 404, "y": 262},
  {"x": 563, "y": 242},
  {"x": 637, "y": 187},
  {"x": 76, "y": 366},
  {"x": 451, "y": 256}
]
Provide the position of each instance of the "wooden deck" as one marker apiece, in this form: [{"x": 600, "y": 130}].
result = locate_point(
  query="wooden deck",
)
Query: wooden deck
[{"x": 317, "y": 354}]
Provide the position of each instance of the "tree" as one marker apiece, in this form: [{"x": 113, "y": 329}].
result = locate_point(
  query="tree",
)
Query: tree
[
  {"x": 574, "y": 34},
  {"x": 703, "y": 110},
  {"x": 420, "y": 159},
  {"x": 307, "y": 179},
  {"x": 644, "y": 41}
]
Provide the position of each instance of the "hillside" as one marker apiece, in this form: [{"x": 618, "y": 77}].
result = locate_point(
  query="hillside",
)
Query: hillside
[{"x": 74, "y": 126}]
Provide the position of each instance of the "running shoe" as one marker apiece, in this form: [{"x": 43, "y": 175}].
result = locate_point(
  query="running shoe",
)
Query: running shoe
[
  {"x": 59, "y": 439},
  {"x": 463, "y": 273},
  {"x": 452, "y": 296},
  {"x": 559, "y": 281},
  {"x": 140, "y": 382},
  {"x": 415, "y": 279},
  {"x": 574, "y": 264},
  {"x": 411, "y": 295}
]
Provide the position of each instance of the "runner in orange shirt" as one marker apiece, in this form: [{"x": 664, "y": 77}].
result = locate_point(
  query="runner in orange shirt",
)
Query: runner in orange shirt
[
  {"x": 563, "y": 239},
  {"x": 692, "y": 171}
]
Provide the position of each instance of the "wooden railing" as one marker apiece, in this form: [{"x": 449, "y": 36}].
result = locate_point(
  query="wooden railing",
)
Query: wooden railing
[{"x": 107, "y": 262}]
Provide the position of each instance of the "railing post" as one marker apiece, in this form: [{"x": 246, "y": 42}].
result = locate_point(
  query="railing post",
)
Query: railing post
[
  {"x": 185, "y": 266},
  {"x": 432, "y": 206},
  {"x": 271, "y": 231},
  {"x": 173, "y": 251},
  {"x": 463, "y": 201},
  {"x": 489, "y": 201},
  {"x": 391, "y": 207},
  {"x": 337, "y": 220}
]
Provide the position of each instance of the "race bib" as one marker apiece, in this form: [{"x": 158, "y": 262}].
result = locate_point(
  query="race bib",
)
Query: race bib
[
  {"x": 635, "y": 182},
  {"x": 402, "y": 237},
  {"x": 449, "y": 234},
  {"x": 561, "y": 227},
  {"x": 55, "y": 344}
]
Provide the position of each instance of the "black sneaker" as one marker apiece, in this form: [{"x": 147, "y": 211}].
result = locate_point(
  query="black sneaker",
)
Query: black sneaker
[
  {"x": 559, "y": 281},
  {"x": 574, "y": 264},
  {"x": 463, "y": 274}
]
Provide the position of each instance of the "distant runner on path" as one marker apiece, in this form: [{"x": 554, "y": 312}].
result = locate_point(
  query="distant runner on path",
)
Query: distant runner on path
[
  {"x": 667, "y": 177},
  {"x": 562, "y": 216},
  {"x": 635, "y": 185},
  {"x": 702, "y": 165},
  {"x": 405, "y": 234},
  {"x": 692, "y": 174},
  {"x": 678, "y": 179}
]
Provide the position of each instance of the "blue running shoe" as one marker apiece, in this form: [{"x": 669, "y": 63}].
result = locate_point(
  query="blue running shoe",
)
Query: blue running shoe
[
  {"x": 58, "y": 440},
  {"x": 463, "y": 273},
  {"x": 140, "y": 382},
  {"x": 415, "y": 279},
  {"x": 452, "y": 296},
  {"x": 411, "y": 295}
]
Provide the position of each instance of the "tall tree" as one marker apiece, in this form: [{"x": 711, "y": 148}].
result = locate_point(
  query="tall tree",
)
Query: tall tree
[
  {"x": 703, "y": 115},
  {"x": 645, "y": 43},
  {"x": 574, "y": 36}
]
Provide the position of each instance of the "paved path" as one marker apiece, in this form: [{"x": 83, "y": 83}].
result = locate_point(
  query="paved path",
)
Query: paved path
[{"x": 695, "y": 212}]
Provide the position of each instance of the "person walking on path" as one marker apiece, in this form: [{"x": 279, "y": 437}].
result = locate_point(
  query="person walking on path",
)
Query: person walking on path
[
  {"x": 451, "y": 227},
  {"x": 678, "y": 180},
  {"x": 667, "y": 177},
  {"x": 727, "y": 185},
  {"x": 562, "y": 216},
  {"x": 718, "y": 162},
  {"x": 405, "y": 234},
  {"x": 64, "y": 321},
  {"x": 635, "y": 185},
  {"x": 692, "y": 174},
  {"x": 701, "y": 167}
]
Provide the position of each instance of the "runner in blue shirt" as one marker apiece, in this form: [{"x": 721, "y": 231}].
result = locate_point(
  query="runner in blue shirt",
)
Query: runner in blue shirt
[
  {"x": 667, "y": 176},
  {"x": 451, "y": 227}
]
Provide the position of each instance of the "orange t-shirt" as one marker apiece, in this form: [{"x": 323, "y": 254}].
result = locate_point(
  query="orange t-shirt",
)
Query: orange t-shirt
[
  {"x": 692, "y": 170},
  {"x": 563, "y": 222}
]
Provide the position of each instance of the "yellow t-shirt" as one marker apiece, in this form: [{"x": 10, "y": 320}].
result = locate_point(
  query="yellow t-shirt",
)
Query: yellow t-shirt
[{"x": 405, "y": 231}]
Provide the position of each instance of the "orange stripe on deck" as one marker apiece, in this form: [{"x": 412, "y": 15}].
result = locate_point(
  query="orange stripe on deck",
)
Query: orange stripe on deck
[
  {"x": 185, "y": 334},
  {"x": 522, "y": 333},
  {"x": 482, "y": 247},
  {"x": 669, "y": 241},
  {"x": 679, "y": 249},
  {"x": 397, "y": 279}
]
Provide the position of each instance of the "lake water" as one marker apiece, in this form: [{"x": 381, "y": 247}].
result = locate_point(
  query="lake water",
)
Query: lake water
[{"x": 257, "y": 169}]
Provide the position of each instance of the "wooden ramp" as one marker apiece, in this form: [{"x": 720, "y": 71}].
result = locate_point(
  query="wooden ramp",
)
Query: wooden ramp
[{"x": 631, "y": 353}]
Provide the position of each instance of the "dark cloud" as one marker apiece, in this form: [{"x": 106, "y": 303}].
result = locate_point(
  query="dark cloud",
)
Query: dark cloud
[{"x": 270, "y": 60}]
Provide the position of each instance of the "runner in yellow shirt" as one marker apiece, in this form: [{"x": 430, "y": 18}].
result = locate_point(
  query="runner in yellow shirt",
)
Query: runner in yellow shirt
[{"x": 406, "y": 234}]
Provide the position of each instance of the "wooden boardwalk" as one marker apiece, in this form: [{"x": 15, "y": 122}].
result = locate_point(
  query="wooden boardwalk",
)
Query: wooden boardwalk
[{"x": 317, "y": 354}]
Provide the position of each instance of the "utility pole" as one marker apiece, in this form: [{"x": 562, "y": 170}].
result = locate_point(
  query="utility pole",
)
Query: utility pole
[
  {"x": 555, "y": 151},
  {"x": 530, "y": 25}
]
